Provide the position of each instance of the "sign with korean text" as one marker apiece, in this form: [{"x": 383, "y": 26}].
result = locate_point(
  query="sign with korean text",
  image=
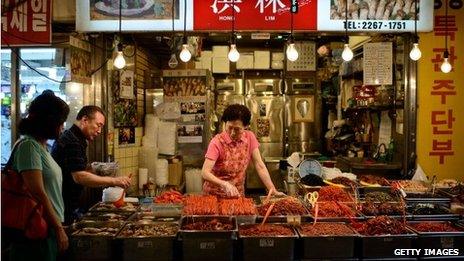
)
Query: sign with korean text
[
  {"x": 254, "y": 15},
  {"x": 137, "y": 15},
  {"x": 28, "y": 24},
  {"x": 441, "y": 113},
  {"x": 374, "y": 16}
]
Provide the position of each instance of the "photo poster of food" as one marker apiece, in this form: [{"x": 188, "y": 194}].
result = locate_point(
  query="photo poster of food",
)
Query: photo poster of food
[
  {"x": 124, "y": 110},
  {"x": 126, "y": 84},
  {"x": 193, "y": 111},
  {"x": 375, "y": 15},
  {"x": 126, "y": 136},
  {"x": 192, "y": 86},
  {"x": 81, "y": 70},
  {"x": 190, "y": 133},
  {"x": 303, "y": 108},
  {"x": 137, "y": 15}
]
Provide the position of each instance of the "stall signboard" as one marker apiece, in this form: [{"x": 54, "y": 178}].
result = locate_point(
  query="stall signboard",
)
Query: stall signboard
[
  {"x": 441, "y": 112},
  {"x": 374, "y": 16},
  {"x": 254, "y": 15},
  {"x": 137, "y": 15},
  {"x": 26, "y": 23}
]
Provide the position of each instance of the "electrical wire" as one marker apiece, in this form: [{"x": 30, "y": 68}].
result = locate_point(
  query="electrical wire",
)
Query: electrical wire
[
  {"x": 346, "y": 21},
  {"x": 446, "y": 25},
  {"x": 43, "y": 75}
]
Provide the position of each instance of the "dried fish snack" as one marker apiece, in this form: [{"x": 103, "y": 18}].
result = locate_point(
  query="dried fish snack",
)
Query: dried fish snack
[
  {"x": 434, "y": 227},
  {"x": 381, "y": 225},
  {"x": 265, "y": 230},
  {"x": 93, "y": 231},
  {"x": 325, "y": 229},
  {"x": 283, "y": 207},
  {"x": 210, "y": 225},
  {"x": 149, "y": 230},
  {"x": 331, "y": 193}
]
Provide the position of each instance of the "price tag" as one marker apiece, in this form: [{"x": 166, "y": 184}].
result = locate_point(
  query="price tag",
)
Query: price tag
[
  {"x": 266, "y": 242},
  {"x": 144, "y": 244},
  {"x": 207, "y": 245},
  {"x": 294, "y": 220}
]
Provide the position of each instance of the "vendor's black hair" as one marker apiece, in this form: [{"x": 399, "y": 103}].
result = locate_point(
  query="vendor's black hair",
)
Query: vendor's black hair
[
  {"x": 46, "y": 114},
  {"x": 89, "y": 111},
  {"x": 237, "y": 112}
]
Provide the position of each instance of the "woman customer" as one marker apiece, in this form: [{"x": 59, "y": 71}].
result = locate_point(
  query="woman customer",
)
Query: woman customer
[
  {"x": 229, "y": 154},
  {"x": 41, "y": 174}
]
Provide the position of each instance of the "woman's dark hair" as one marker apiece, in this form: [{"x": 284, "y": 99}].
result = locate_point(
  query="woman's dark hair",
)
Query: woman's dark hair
[
  {"x": 46, "y": 114},
  {"x": 237, "y": 112}
]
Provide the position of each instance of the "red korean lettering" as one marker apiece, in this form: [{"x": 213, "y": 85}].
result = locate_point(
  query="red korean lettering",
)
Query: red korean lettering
[
  {"x": 438, "y": 59},
  {"x": 445, "y": 26},
  {"x": 443, "y": 118},
  {"x": 442, "y": 149},
  {"x": 443, "y": 88}
]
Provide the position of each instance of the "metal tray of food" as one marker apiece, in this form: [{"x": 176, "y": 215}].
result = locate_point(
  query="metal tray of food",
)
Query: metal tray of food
[
  {"x": 198, "y": 244},
  {"x": 106, "y": 216},
  {"x": 419, "y": 212},
  {"x": 382, "y": 208},
  {"x": 93, "y": 240},
  {"x": 274, "y": 246},
  {"x": 314, "y": 246},
  {"x": 109, "y": 207},
  {"x": 148, "y": 240},
  {"x": 341, "y": 218},
  {"x": 439, "y": 239},
  {"x": 167, "y": 210},
  {"x": 427, "y": 198},
  {"x": 452, "y": 192}
]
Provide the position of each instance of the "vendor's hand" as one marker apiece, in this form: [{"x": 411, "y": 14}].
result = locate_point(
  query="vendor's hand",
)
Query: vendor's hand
[
  {"x": 278, "y": 193},
  {"x": 123, "y": 182},
  {"x": 230, "y": 190},
  {"x": 61, "y": 240}
]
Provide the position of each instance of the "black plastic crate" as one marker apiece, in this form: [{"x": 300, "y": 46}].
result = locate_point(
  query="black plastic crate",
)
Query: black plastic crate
[
  {"x": 147, "y": 247},
  {"x": 440, "y": 240},
  {"x": 208, "y": 245},
  {"x": 268, "y": 247},
  {"x": 383, "y": 246},
  {"x": 315, "y": 247}
]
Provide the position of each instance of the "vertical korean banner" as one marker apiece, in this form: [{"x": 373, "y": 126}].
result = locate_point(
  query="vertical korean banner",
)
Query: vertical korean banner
[
  {"x": 440, "y": 145},
  {"x": 26, "y": 23}
]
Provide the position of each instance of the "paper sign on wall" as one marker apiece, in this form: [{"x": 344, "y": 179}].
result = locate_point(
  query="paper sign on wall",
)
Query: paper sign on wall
[{"x": 378, "y": 67}]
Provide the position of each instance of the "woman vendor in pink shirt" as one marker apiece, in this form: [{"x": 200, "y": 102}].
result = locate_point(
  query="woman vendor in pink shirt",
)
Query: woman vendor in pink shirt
[{"x": 228, "y": 156}]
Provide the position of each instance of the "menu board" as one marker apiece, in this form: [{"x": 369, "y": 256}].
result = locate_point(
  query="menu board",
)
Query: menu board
[{"x": 378, "y": 63}]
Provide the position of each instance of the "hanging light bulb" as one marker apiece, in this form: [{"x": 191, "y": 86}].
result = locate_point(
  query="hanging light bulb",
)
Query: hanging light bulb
[
  {"x": 415, "y": 53},
  {"x": 347, "y": 54},
  {"x": 173, "y": 61},
  {"x": 233, "y": 55},
  {"x": 119, "y": 62},
  {"x": 446, "y": 66},
  {"x": 185, "y": 54},
  {"x": 292, "y": 53}
]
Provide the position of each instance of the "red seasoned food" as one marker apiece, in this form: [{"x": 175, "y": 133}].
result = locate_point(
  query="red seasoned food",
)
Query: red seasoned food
[
  {"x": 283, "y": 207},
  {"x": 381, "y": 225},
  {"x": 329, "y": 229},
  {"x": 371, "y": 179},
  {"x": 237, "y": 206},
  {"x": 331, "y": 193},
  {"x": 434, "y": 227},
  {"x": 333, "y": 209},
  {"x": 170, "y": 196},
  {"x": 343, "y": 181},
  {"x": 200, "y": 205},
  {"x": 211, "y": 225},
  {"x": 265, "y": 230}
]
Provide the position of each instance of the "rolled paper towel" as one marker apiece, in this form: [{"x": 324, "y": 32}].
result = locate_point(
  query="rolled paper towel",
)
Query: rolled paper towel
[
  {"x": 143, "y": 177},
  {"x": 193, "y": 180},
  {"x": 162, "y": 172}
]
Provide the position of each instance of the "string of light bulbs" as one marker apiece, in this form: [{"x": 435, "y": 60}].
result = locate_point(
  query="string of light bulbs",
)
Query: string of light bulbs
[
  {"x": 446, "y": 66},
  {"x": 185, "y": 54},
  {"x": 347, "y": 54},
  {"x": 119, "y": 62},
  {"x": 415, "y": 53},
  {"x": 292, "y": 53},
  {"x": 233, "y": 55}
]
